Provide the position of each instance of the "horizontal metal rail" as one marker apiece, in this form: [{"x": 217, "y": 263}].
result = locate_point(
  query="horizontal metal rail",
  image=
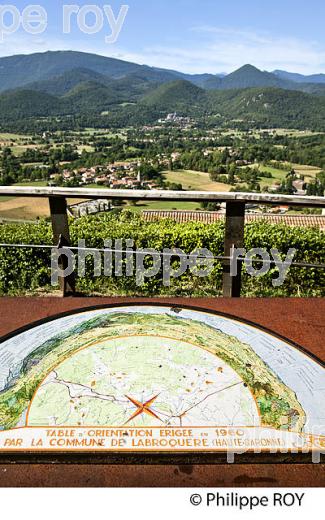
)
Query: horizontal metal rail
[
  {"x": 156, "y": 195},
  {"x": 160, "y": 254}
]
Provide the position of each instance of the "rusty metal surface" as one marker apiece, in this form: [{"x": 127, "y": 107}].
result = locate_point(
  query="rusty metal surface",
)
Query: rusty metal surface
[
  {"x": 301, "y": 321},
  {"x": 162, "y": 476}
]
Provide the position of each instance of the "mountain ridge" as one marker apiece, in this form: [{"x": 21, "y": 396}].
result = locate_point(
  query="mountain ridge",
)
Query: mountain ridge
[
  {"x": 64, "y": 85},
  {"x": 30, "y": 69},
  {"x": 93, "y": 103},
  {"x": 300, "y": 78}
]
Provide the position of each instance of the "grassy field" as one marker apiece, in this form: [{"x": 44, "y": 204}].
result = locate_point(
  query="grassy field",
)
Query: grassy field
[
  {"x": 8, "y": 205},
  {"x": 309, "y": 172},
  {"x": 277, "y": 175},
  {"x": 20, "y": 143},
  {"x": 102, "y": 132},
  {"x": 24, "y": 208},
  {"x": 274, "y": 131},
  {"x": 291, "y": 132},
  {"x": 85, "y": 147},
  {"x": 4, "y": 199},
  {"x": 17, "y": 143},
  {"x": 163, "y": 206},
  {"x": 96, "y": 186},
  {"x": 276, "y": 172},
  {"x": 37, "y": 184},
  {"x": 13, "y": 137},
  {"x": 193, "y": 180},
  {"x": 27, "y": 208},
  {"x": 19, "y": 149}
]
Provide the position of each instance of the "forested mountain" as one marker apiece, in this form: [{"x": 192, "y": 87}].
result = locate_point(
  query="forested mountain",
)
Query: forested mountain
[
  {"x": 90, "y": 101},
  {"x": 60, "y": 85},
  {"x": 271, "y": 107},
  {"x": 28, "y": 103},
  {"x": 41, "y": 70},
  {"x": 19, "y": 71},
  {"x": 249, "y": 76},
  {"x": 87, "y": 87},
  {"x": 300, "y": 78},
  {"x": 92, "y": 96},
  {"x": 177, "y": 96}
]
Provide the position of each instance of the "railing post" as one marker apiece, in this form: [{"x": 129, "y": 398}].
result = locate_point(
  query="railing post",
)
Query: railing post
[
  {"x": 234, "y": 237},
  {"x": 61, "y": 233}
]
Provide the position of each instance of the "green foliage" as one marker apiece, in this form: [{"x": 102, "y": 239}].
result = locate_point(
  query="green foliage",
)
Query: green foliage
[
  {"x": 175, "y": 96},
  {"x": 131, "y": 101},
  {"x": 25, "y": 270},
  {"x": 18, "y": 104},
  {"x": 270, "y": 107}
]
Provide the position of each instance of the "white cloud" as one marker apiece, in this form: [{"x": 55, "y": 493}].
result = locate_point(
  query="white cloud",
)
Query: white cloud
[
  {"x": 263, "y": 49},
  {"x": 226, "y": 49},
  {"x": 208, "y": 49},
  {"x": 22, "y": 43}
]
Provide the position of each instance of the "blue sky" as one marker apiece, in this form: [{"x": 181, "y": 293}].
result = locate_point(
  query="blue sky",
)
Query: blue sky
[{"x": 192, "y": 35}]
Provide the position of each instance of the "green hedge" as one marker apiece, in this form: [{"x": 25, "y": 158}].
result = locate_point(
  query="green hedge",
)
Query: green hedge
[{"x": 26, "y": 270}]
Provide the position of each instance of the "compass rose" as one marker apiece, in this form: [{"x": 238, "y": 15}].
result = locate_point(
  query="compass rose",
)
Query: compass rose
[{"x": 143, "y": 408}]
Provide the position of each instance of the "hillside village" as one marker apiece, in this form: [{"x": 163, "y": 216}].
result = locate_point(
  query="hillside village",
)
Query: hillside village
[
  {"x": 120, "y": 175},
  {"x": 126, "y": 175}
]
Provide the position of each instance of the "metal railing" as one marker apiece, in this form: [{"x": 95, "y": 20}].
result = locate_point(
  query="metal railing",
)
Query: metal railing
[{"x": 234, "y": 225}]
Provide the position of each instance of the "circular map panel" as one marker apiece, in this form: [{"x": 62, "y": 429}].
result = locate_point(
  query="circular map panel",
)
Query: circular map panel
[
  {"x": 143, "y": 381},
  {"x": 139, "y": 377}
]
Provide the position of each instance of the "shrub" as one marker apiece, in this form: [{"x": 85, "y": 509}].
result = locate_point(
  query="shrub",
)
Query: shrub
[{"x": 25, "y": 270}]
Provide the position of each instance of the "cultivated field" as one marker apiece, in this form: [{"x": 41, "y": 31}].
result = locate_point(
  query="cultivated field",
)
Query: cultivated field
[
  {"x": 163, "y": 206},
  {"x": 307, "y": 171},
  {"x": 197, "y": 181},
  {"x": 26, "y": 208},
  {"x": 23, "y": 208}
]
